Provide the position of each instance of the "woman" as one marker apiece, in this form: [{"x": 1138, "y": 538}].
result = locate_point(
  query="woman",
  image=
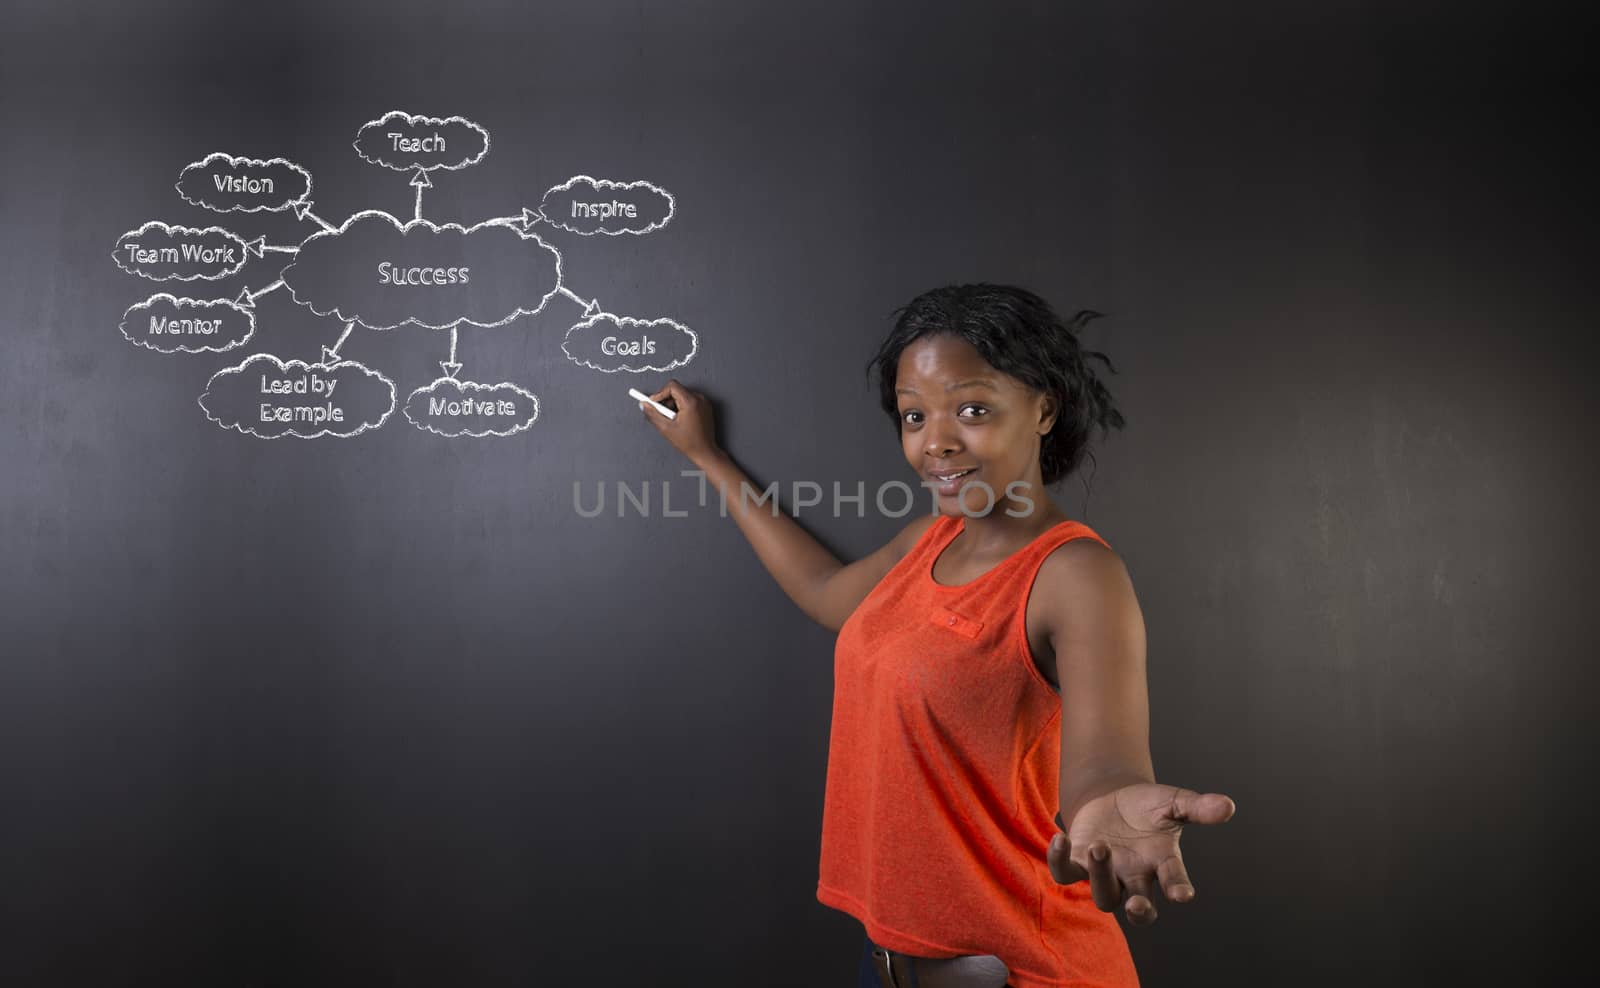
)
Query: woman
[{"x": 989, "y": 676}]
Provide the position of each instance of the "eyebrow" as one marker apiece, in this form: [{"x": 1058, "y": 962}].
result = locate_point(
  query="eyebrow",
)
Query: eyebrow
[{"x": 982, "y": 382}]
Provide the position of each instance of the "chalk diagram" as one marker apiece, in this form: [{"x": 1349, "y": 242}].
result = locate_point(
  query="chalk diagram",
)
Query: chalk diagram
[{"x": 382, "y": 272}]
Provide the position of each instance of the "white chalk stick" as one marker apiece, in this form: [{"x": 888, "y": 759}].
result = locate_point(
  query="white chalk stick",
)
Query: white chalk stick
[{"x": 664, "y": 410}]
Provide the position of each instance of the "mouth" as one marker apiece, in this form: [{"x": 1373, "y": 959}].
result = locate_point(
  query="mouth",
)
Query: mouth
[{"x": 950, "y": 480}]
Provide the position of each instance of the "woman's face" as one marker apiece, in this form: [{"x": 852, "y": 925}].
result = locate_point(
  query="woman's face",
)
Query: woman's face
[{"x": 959, "y": 413}]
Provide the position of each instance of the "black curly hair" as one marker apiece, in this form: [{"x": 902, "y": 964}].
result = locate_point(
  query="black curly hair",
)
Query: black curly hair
[{"x": 1019, "y": 334}]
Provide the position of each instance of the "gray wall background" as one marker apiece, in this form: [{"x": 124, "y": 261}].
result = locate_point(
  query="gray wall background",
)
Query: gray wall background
[{"x": 389, "y": 711}]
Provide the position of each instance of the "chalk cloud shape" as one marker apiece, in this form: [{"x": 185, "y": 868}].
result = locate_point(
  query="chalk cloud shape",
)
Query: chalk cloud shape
[
  {"x": 233, "y": 397},
  {"x": 164, "y": 309},
  {"x": 451, "y": 392},
  {"x": 465, "y": 142},
  {"x": 653, "y": 204},
  {"x": 511, "y": 273},
  {"x": 156, "y": 235},
  {"x": 587, "y": 343},
  {"x": 197, "y": 183}
]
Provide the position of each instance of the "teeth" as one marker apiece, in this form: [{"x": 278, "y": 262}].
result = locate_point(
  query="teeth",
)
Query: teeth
[{"x": 952, "y": 476}]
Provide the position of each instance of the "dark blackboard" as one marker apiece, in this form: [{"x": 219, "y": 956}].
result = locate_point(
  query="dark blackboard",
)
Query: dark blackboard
[{"x": 389, "y": 709}]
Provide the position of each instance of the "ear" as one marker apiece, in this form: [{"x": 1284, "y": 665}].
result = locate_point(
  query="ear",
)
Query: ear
[{"x": 1048, "y": 407}]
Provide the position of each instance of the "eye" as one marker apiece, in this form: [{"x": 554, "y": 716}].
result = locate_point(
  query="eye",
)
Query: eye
[{"x": 978, "y": 412}]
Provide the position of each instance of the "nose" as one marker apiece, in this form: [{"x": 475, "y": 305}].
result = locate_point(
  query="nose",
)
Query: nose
[{"x": 940, "y": 446}]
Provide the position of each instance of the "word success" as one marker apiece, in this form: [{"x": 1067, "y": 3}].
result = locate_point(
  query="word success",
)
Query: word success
[{"x": 391, "y": 275}]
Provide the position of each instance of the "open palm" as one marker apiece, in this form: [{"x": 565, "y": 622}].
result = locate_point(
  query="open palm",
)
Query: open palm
[{"x": 1126, "y": 841}]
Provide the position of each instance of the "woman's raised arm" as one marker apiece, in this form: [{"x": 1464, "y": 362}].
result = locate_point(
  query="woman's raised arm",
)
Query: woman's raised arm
[{"x": 824, "y": 588}]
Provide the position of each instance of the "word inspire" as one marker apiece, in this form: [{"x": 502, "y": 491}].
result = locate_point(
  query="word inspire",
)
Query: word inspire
[{"x": 604, "y": 210}]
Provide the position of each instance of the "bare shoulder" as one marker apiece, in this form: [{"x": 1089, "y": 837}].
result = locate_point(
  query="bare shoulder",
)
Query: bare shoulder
[
  {"x": 1083, "y": 559},
  {"x": 1082, "y": 577}
]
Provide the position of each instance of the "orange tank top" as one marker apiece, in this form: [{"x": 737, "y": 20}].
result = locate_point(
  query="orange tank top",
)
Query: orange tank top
[{"x": 942, "y": 784}]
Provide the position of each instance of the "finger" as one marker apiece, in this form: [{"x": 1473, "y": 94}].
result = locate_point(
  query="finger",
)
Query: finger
[
  {"x": 1175, "y": 884},
  {"x": 673, "y": 395},
  {"x": 1189, "y": 806},
  {"x": 661, "y": 422},
  {"x": 1062, "y": 868},
  {"x": 1103, "y": 884},
  {"x": 1141, "y": 904}
]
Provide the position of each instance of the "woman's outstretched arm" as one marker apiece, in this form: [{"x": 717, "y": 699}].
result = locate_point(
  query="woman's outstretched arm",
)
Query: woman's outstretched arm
[{"x": 1121, "y": 825}]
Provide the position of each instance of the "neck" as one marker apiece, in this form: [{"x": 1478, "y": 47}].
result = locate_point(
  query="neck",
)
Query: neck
[{"x": 998, "y": 527}]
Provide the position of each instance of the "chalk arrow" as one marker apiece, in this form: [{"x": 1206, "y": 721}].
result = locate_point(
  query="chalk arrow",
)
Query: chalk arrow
[
  {"x": 450, "y": 367},
  {"x": 259, "y": 248},
  {"x": 331, "y": 354},
  {"x": 247, "y": 298},
  {"x": 420, "y": 180},
  {"x": 524, "y": 222},
  {"x": 591, "y": 307},
  {"x": 302, "y": 211}
]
